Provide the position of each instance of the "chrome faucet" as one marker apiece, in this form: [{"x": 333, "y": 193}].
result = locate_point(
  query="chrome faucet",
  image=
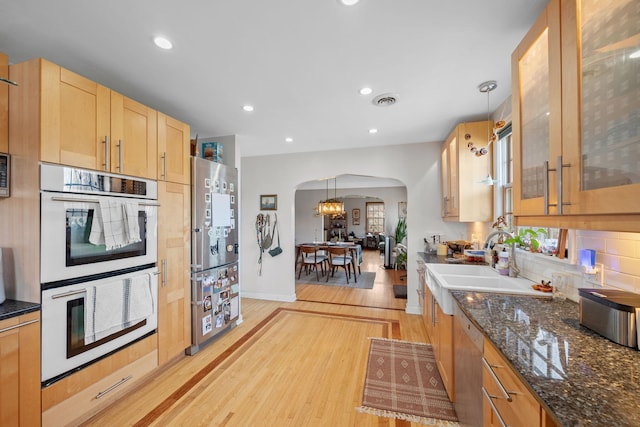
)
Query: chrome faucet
[{"x": 514, "y": 271}]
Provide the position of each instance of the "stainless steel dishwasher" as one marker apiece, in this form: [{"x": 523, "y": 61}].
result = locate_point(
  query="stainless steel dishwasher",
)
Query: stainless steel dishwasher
[{"x": 468, "y": 342}]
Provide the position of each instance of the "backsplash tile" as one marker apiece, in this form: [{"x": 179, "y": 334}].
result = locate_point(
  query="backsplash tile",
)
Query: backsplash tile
[{"x": 618, "y": 252}]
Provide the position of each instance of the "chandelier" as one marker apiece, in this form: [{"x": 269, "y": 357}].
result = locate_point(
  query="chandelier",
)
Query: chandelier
[
  {"x": 492, "y": 136},
  {"x": 331, "y": 206}
]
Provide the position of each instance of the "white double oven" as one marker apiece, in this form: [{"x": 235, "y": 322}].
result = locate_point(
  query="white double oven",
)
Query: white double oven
[{"x": 98, "y": 265}]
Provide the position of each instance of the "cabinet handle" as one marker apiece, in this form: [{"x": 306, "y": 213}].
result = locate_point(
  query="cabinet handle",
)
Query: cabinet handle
[
  {"x": 120, "y": 155},
  {"x": 118, "y": 384},
  {"x": 19, "y": 325},
  {"x": 503, "y": 390},
  {"x": 164, "y": 166},
  {"x": 559, "y": 168},
  {"x": 434, "y": 315},
  {"x": 493, "y": 406},
  {"x": 164, "y": 273},
  {"x": 106, "y": 153}
]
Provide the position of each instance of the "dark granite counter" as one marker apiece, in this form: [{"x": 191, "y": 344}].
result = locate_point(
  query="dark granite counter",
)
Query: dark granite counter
[
  {"x": 11, "y": 308},
  {"x": 580, "y": 377}
]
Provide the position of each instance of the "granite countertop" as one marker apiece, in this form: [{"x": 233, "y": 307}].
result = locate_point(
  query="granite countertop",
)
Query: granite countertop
[
  {"x": 581, "y": 377},
  {"x": 12, "y": 308}
]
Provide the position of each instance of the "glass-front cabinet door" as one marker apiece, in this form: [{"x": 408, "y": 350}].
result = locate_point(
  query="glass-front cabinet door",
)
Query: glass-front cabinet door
[
  {"x": 601, "y": 105},
  {"x": 537, "y": 125}
]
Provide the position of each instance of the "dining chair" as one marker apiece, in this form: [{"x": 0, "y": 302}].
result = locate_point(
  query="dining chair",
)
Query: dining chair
[
  {"x": 311, "y": 258},
  {"x": 340, "y": 257}
]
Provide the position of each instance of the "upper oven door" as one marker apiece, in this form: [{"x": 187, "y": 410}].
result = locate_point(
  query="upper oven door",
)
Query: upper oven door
[{"x": 75, "y": 242}]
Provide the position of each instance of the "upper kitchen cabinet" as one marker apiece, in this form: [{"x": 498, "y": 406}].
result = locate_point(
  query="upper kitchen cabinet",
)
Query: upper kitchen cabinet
[
  {"x": 4, "y": 104},
  {"x": 576, "y": 115},
  {"x": 601, "y": 105},
  {"x": 537, "y": 124},
  {"x": 133, "y": 145},
  {"x": 464, "y": 197},
  {"x": 173, "y": 150},
  {"x": 78, "y": 122}
]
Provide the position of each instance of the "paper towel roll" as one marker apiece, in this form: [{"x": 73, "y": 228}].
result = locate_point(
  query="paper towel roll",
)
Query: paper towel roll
[{"x": 2, "y": 295}]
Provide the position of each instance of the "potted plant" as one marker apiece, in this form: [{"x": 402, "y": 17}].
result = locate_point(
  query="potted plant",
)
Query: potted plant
[
  {"x": 527, "y": 238},
  {"x": 401, "y": 234}
]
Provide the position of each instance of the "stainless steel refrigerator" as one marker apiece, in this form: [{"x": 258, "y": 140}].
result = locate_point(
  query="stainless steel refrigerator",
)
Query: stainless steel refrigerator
[{"x": 215, "y": 291}]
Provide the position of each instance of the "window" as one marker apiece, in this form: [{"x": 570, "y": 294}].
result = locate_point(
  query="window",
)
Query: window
[
  {"x": 375, "y": 217},
  {"x": 505, "y": 173}
]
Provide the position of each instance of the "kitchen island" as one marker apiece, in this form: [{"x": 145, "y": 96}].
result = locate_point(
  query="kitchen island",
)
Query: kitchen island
[{"x": 578, "y": 376}]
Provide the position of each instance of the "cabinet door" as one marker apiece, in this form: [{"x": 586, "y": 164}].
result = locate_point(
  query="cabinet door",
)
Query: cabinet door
[
  {"x": 133, "y": 138},
  {"x": 536, "y": 118},
  {"x": 174, "y": 297},
  {"x": 601, "y": 105},
  {"x": 444, "y": 353},
  {"x": 173, "y": 150},
  {"x": 4, "y": 104},
  {"x": 74, "y": 117},
  {"x": 20, "y": 370}
]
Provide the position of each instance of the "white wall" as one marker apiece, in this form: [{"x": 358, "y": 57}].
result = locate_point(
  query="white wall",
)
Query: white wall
[
  {"x": 308, "y": 225},
  {"x": 415, "y": 165}
]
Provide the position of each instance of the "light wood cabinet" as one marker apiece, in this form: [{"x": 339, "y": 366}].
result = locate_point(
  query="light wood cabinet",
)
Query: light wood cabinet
[
  {"x": 78, "y": 122},
  {"x": 575, "y": 117},
  {"x": 174, "y": 290},
  {"x": 4, "y": 104},
  {"x": 79, "y": 396},
  {"x": 443, "y": 348},
  {"x": 174, "y": 146},
  {"x": 464, "y": 197},
  {"x": 507, "y": 400},
  {"x": 20, "y": 370}
]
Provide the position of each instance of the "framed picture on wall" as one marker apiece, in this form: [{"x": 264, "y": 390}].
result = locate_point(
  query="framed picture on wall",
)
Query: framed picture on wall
[
  {"x": 268, "y": 202},
  {"x": 402, "y": 209},
  {"x": 355, "y": 215}
]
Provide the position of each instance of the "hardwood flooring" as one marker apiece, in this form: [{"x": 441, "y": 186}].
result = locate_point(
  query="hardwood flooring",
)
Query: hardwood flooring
[{"x": 286, "y": 364}]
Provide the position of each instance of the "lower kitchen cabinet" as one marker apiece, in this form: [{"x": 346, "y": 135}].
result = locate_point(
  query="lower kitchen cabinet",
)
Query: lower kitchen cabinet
[
  {"x": 20, "y": 370},
  {"x": 439, "y": 328},
  {"x": 443, "y": 348},
  {"x": 174, "y": 290},
  {"x": 499, "y": 384},
  {"x": 79, "y": 396}
]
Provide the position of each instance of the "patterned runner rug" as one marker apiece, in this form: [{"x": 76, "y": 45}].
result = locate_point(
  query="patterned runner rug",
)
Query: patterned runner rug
[{"x": 403, "y": 382}]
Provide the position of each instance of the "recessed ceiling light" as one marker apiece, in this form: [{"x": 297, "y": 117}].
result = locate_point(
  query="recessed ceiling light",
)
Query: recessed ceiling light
[
  {"x": 289, "y": 140},
  {"x": 366, "y": 91},
  {"x": 248, "y": 108},
  {"x": 372, "y": 131},
  {"x": 349, "y": 2},
  {"x": 162, "y": 43},
  {"x": 635, "y": 54}
]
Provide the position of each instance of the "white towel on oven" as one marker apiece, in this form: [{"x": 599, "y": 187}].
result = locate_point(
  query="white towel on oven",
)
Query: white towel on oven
[
  {"x": 138, "y": 298},
  {"x": 115, "y": 224},
  {"x": 109, "y": 308},
  {"x": 89, "y": 310}
]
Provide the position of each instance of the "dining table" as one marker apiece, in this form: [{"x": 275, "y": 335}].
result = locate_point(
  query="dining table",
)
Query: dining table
[{"x": 354, "y": 249}]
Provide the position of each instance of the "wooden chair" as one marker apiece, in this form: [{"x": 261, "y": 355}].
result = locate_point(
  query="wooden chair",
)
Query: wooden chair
[
  {"x": 340, "y": 257},
  {"x": 311, "y": 258}
]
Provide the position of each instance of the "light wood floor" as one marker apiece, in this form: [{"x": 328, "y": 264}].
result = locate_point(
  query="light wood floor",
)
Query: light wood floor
[{"x": 286, "y": 364}]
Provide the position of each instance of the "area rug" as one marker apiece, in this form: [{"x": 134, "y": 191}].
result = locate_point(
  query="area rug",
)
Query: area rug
[
  {"x": 403, "y": 382},
  {"x": 400, "y": 291},
  {"x": 365, "y": 280}
]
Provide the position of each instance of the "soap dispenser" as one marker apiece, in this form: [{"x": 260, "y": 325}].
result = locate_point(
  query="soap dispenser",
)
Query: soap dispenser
[{"x": 503, "y": 262}]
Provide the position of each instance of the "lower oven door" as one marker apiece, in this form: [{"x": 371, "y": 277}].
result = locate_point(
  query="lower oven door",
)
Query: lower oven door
[{"x": 83, "y": 322}]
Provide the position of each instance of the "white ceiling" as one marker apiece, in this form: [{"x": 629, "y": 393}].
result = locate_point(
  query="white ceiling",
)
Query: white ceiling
[{"x": 300, "y": 63}]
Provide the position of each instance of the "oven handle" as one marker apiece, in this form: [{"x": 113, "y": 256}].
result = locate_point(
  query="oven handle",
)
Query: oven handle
[
  {"x": 69, "y": 199},
  {"x": 68, "y": 294}
]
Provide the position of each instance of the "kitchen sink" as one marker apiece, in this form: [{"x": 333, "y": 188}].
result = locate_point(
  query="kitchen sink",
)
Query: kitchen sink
[{"x": 442, "y": 278}]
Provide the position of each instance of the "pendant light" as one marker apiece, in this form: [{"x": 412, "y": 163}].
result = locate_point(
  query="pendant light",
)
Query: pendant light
[
  {"x": 486, "y": 87},
  {"x": 331, "y": 206}
]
